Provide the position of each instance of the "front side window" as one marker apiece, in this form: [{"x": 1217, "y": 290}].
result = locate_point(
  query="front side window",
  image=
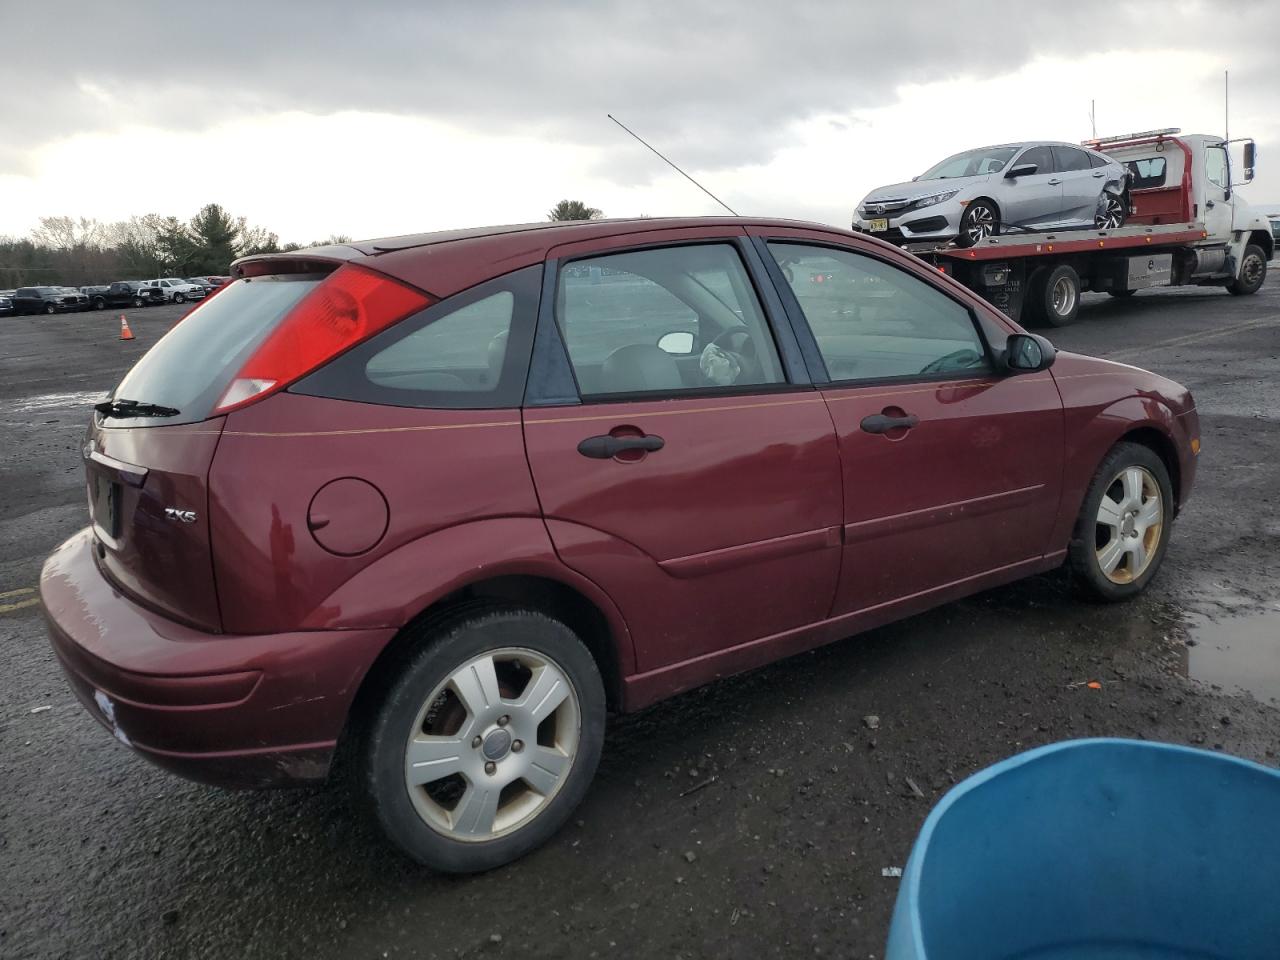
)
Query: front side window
[
  {"x": 664, "y": 320},
  {"x": 873, "y": 321},
  {"x": 1042, "y": 157},
  {"x": 1215, "y": 166}
]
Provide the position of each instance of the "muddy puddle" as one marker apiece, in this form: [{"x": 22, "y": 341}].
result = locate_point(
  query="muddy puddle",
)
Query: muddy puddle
[{"x": 1239, "y": 652}]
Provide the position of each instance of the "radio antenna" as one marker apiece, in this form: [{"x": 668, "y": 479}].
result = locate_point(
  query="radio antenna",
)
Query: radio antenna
[{"x": 672, "y": 165}]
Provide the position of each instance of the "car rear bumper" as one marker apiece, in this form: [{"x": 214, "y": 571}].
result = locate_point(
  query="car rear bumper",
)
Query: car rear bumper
[{"x": 236, "y": 711}]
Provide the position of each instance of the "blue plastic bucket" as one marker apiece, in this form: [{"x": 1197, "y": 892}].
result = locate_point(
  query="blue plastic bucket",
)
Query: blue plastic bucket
[{"x": 1096, "y": 849}]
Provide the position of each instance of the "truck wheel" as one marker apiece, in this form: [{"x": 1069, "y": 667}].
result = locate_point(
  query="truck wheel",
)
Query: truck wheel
[
  {"x": 1120, "y": 536},
  {"x": 179, "y": 298},
  {"x": 1054, "y": 297},
  {"x": 137, "y": 303},
  {"x": 486, "y": 741},
  {"x": 1122, "y": 294},
  {"x": 1252, "y": 272},
  {"x": 50, "y": 309},
  {"x": 979, "y": 221}
]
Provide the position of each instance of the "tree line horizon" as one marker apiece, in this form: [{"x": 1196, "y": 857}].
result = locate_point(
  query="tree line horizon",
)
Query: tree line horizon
[{"x": 80, "y": 251}]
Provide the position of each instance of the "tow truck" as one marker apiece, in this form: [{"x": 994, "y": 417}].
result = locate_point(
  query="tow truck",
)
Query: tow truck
[{"x": 1186, "y": 225}]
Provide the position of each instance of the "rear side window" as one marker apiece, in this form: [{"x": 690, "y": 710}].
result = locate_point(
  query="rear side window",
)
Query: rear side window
[
  {"x": 1069, "y": 159},
  {"x": 192, "y": 364},
  {"x": 665, "y": 320},
  {"x": 467, "y": 352},
  {"x": 1098, "y": 160}
]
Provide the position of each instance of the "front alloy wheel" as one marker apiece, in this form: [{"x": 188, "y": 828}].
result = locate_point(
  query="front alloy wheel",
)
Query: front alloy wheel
[
  {"x": 977, "y": 223},
  {"x": 485, "y": 742},
  {"x": 1122, "y": 530}
]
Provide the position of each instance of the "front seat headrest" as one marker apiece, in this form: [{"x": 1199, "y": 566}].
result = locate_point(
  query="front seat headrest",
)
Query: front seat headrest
[{"x": 639, "y": 367}]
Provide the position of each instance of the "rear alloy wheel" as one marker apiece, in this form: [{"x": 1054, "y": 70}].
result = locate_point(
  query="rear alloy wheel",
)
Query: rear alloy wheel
[
  {"x": 487, "y": 741},
  {"x": 1253, "y": 271},
  {"x": 1122, "y": 530},
  {"x": 1113, "y": 214},
  {"x": 978, "y": 222}
]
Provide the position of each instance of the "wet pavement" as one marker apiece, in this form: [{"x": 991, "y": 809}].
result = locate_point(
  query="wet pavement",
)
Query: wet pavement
[{"x": 752, "y": 817}]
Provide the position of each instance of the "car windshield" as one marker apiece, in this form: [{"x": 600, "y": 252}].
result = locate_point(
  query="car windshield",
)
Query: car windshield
[{"x": 972, "y": 163}]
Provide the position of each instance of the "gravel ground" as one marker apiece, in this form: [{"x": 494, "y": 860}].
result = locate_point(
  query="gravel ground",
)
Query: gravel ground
[{"x": 750, "y": 818}]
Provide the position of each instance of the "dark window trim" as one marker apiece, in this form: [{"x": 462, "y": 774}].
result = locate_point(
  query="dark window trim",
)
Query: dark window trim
[
  {"x": 524, "y": 285},
  {"x": 803, "y": 322},
  {"x": 551, "y": 382},
  {"x": 791, "y": 362}
]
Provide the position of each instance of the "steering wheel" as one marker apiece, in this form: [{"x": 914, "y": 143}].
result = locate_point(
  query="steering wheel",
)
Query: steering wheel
[
  {"x": 956, "y": 360},
  {"x": 739, "y": 342}
]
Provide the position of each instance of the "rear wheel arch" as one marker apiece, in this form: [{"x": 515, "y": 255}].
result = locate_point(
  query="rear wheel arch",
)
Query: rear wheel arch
[{"x": 541, "y": 594}]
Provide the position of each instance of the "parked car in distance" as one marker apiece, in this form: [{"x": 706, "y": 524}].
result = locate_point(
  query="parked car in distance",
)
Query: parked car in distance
[
  {"x": 97, "y": 296},
  {"x": 6, "y": 303},
  {"x": 480, "y": 547},
  {"x": 203, "y": 283},
  {"x": 178, "y": 290},
  {"x": 1000, "y": 189},
  {"x": 133, "y": 293},
  {"x": 48, "y": 300}
]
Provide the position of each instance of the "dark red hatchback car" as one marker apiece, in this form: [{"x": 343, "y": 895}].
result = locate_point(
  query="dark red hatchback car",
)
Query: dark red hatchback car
[{"x": 450, "y": 498}]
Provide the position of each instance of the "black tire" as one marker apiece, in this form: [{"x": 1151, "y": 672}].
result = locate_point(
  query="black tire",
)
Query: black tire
[
  {"x": 98, "y": 303},
  {"x": 50, "y": 309},
  {"x": 1253, "y": 272},
  {"x": 1083, "y": 552},
  {"x": 980, "y": 220},
  {"x": 1053, "y": 298},
  {"x": 179, "y": 298},
  {"x": 1121, "y": 294},
  {"x": 137, "y": 303},
  {"x": 1115, "y": 212},
  {"x": 440, "y": 651}
]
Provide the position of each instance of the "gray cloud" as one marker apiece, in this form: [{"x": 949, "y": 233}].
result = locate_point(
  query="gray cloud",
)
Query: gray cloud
[{"x": 715, "y": 82}]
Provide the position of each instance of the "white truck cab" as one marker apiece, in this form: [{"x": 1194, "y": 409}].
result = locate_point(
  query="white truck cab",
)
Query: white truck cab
[{"x": 177, "y": 289}]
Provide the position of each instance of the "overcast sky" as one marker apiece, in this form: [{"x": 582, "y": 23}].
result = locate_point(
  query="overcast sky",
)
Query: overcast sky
[{"x": 377, "y": 118}]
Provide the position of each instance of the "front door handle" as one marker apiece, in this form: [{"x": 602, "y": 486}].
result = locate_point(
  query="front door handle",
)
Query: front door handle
[
  {"x": 1054, "y": 182},
  {"x": 1100, "y": 173},
  {"x": 880, "y": 423},
  {"x": 607, "y": 447}
]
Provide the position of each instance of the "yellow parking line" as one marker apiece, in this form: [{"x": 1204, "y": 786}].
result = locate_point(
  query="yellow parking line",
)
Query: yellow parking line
[
  {"x": 21, "y": 604},
  {"x": 20, "y": 592}
]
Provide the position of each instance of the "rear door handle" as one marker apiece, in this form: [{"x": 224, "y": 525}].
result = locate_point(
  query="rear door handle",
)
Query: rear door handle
[
  {"x": 879, "y": 423},
  {"x": 1054, "y": 182},
  {"x": 607, "y": 447},
  {"x": 1101, "y": 173}
]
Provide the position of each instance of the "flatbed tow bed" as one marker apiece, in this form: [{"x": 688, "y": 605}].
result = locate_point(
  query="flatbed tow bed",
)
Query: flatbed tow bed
[{"x": 1002, "y": 268}]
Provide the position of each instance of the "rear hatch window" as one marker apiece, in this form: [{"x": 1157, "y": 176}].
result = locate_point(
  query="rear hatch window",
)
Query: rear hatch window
[{"x": 191, "y": 366}]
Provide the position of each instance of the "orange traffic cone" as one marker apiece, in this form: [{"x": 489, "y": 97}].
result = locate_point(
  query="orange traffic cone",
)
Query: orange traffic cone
[{"x": 125, "y": 332}]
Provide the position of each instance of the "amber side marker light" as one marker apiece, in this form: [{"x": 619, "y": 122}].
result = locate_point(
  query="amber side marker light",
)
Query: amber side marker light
[{"x": 1195, "y": 446}]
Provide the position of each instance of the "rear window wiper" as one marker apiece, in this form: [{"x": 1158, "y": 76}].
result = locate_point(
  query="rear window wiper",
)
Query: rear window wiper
[{"x": 133, "y": 408}]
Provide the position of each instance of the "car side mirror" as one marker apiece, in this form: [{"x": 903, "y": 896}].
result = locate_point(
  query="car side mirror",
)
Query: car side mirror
[
  {"x": 1028, "y": 353},
  {"x": 1021, "y": 170},
  {"x": 677, "y": 342}
]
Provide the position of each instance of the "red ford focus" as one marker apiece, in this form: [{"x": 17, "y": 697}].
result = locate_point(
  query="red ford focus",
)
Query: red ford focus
[{"x": 450, "y": 498}]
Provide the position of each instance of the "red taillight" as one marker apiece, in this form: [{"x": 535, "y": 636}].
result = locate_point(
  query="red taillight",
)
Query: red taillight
[{"x": 351, "y": 305}]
